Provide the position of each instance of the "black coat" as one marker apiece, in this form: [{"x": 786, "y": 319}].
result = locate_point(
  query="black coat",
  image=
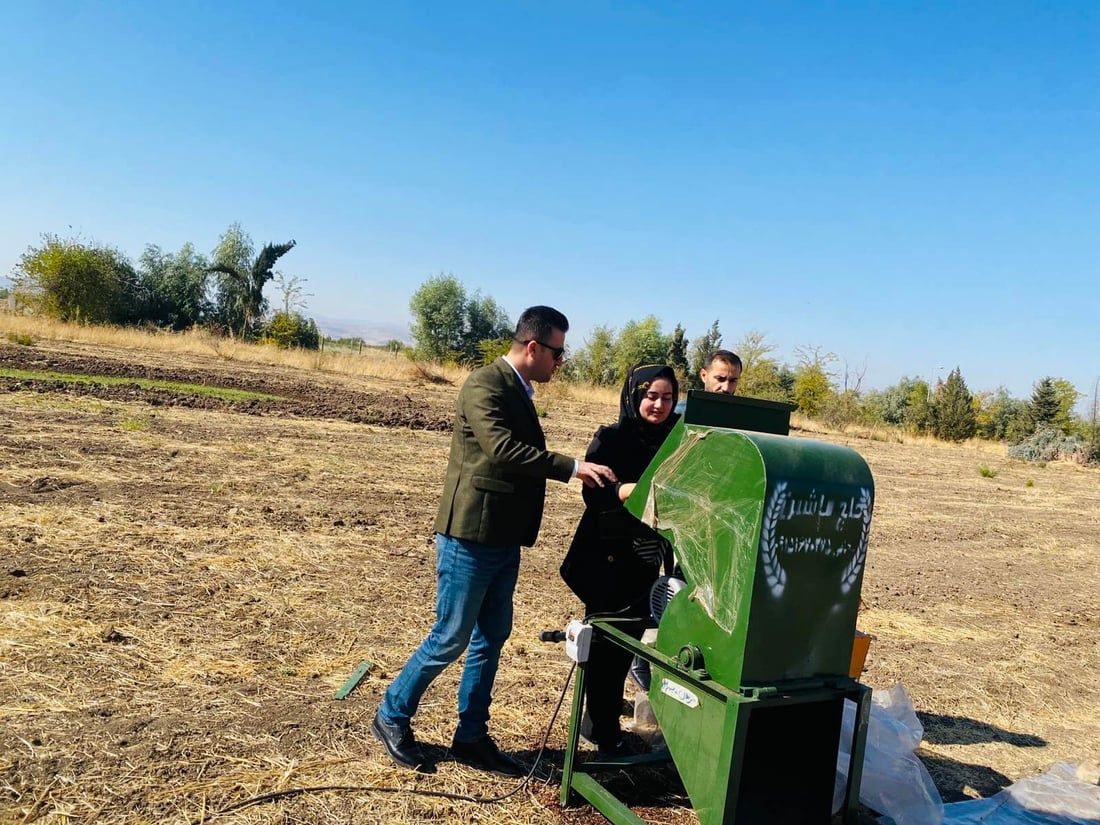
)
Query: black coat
[{"x": 601, "y": 566}]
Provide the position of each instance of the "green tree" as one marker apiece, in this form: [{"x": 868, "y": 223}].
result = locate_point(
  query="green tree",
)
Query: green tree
[
  {"x": 813, "y": 380},
  {"x": 839, "y": 409},
  {"x": 71, "y": 280},
  {"x": 240, "y": 302},
  {"x": 234, "y": 252},
  {"x": 770, "y": 380},
  {"x": 762, "y": 376},
  {"x": 640, "y": 341},
  {"x": 448, "y": 325},
  {"x": 1067, "y": 396},
  {"x": 490, "y": 349},
  {"x": 1001, "y": 417},
  {"x": 953, "y": 416},
  {"x": 1044, "y": 406},
  {"x": 701, "y": 347},
  {"x": 677, "y": 357},
  {"x": 891, "y": 405},
  {"x": 918, "y": 408},
  {"x": 174, "y": 287},
  {"x": 753, "y": 347},
  {"x": 488, "y": 329},
  {"x": 439, "y": 318},
  {"x": 594, "y": 363},
  {"x": 289, "y": 329}
]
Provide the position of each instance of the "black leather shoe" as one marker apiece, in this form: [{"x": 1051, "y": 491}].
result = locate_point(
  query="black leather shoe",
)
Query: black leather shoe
[
  {"x": 484, "y": 754},
  {"x": 401, "y": 745},
  {"x": 640, "y": 673}
]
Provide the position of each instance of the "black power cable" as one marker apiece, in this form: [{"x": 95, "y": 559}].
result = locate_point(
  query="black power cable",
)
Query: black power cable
[{"x": 481, "y": 800}]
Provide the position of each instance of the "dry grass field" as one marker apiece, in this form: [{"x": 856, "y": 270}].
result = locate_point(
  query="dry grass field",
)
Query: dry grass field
[{"x": 187, "y": 581}]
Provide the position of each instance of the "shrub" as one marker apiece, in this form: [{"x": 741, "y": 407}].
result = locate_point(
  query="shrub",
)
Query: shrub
[
  {"x": 21, "y": 340},
  {"x": 840, "y": 410},
  {"x": 1047, "y": 444},
  {"x": 491, "y": 349},
  {"x": 987, "y": 472}
]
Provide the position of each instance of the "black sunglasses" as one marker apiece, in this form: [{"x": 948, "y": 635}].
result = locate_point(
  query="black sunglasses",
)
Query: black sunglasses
[{"x": 557, "y": 352}]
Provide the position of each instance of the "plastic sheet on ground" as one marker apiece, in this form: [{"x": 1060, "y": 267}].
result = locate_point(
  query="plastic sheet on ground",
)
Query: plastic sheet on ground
[
  {"x": 897, "y": 785},
  {"x": 895, "y": 782},
  {"x": 1057, "y": 797}
]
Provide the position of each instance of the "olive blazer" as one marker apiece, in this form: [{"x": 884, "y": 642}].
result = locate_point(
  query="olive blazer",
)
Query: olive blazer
[{"x": 496, "y": 475}]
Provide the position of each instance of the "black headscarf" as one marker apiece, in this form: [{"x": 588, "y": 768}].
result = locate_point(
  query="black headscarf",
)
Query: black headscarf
[{"x": 637, "y": 383}]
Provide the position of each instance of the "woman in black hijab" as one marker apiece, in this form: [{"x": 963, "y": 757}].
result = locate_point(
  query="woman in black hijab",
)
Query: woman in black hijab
[{"x": 614, "y": 558}]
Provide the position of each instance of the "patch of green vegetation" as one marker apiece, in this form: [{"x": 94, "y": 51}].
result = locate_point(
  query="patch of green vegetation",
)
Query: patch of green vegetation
[
  {"x": 21, "y": 340},
  {"x": 223, "y": 393},
  {"x": 139, "y": 423},
  {"x": 987, "y": 472},
  {"x": 1030, "y": 482}
]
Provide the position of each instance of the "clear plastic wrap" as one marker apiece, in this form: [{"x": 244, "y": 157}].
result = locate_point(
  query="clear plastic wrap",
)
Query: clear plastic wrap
[{"x": 895, "y": 782}]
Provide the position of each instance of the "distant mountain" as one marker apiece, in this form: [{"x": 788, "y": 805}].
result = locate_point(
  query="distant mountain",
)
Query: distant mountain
[{"x": 372, "y": 332}]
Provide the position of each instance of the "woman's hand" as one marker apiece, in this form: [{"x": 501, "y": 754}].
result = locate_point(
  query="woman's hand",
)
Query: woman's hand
[{"x": 625, "y": 490}]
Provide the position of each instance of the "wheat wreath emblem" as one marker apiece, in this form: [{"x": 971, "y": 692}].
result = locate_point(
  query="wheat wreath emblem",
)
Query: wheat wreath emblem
[
  {"x": 851, "y": 572},
  {"x": 774, "y": 573}
]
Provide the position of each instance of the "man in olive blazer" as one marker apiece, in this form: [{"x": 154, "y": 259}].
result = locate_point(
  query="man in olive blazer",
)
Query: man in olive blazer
[
  {"x": 491, "y": 506},
  {"x": 496, "y": 477}
]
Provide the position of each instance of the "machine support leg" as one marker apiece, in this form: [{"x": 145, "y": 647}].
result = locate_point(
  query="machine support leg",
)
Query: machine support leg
[
  {"x": 855, "y": 760},
  {"x": 574, "y": 736}
]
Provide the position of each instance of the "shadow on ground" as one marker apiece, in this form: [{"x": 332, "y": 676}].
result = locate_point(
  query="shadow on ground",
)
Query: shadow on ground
[
  {"x": 959, "y": 730},
  {"x": 952, "y": 778}
]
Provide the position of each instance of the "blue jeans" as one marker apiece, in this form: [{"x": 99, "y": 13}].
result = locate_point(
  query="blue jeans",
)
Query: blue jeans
[{"x": 473, "y": 608}]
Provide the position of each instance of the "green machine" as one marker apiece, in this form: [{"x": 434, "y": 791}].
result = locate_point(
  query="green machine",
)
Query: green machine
[{"x": 750, "y": 669}]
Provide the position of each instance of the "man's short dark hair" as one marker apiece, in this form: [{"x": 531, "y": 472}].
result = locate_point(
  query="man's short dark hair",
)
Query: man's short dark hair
[
  {"x": 537, "y": 323},
  {"x": 731, "y": 358}
]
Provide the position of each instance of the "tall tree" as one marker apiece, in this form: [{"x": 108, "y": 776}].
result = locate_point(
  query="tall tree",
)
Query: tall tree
[
  {"x": 953, "y": 416},
  {"x": 439, "y": 318},
  {"x": 241, "y": 288},
  {"x": 1067, "y": 396},
  {"x": 640, "y": 341},
  {"x": 594, "y": 363},
  {"x": 249, "y": 283},
  {"x": 813, "y": 380},
  {"x": 449, "y": 325},
  {"x": 918, "y": 409},
  {"x": 761, "y": 375},
  {"x": 1044, "y": 406},
  {"x": 234, "y": 251},
  {"x": 1001, "y": 417},
  {"x": 174, "y": 287},
  {"x": 488, "y": 329},
  {"x": 701, "y": 347},
  {"x": 891, "y": 405},
  {"x": 678, "y": 353},
  {"x": 752, "y": 347}
]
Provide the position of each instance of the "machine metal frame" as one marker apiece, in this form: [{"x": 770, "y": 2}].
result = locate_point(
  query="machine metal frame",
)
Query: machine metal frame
[{"x": 579, "y": 777}]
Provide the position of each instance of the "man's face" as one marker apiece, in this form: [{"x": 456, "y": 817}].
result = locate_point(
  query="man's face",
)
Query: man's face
[
  {"x": 721, "y": 377},
  {"x": 544, "y": 364}
]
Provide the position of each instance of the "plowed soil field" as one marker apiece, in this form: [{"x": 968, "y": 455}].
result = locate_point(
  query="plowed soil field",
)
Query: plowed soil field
[{"x": 186, "y": 582}]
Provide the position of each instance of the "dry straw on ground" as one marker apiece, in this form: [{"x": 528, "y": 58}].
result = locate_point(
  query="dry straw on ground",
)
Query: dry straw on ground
[{"x": 183, "y": 590}]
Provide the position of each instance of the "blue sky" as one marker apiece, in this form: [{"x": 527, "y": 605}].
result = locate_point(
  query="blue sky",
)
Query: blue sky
[{"x": 912, "y": 186}]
